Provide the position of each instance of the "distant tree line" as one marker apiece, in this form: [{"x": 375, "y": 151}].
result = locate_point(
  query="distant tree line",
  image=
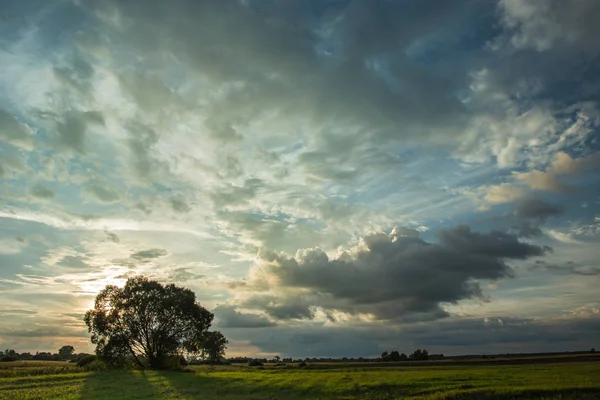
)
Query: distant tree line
[
  {"x": 417, "y": 355},
  {"x": 65, "y": 353}
]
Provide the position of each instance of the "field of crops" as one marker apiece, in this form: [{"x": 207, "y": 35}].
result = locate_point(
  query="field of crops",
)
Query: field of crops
[{"x": 41, "y": 380}]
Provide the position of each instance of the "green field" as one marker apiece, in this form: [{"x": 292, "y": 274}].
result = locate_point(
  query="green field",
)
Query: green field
[{"x": 41, "y": 380}]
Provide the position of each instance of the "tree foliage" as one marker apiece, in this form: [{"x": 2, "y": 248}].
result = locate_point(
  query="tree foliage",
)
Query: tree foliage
[
  {"x": 146, "y": 320},
  {"x": 419, "y": 355},
  {"x": 214, "y": 345},
  {"x": 66, "y": 352}
]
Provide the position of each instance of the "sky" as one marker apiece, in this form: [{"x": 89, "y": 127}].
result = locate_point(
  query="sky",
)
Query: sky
[{"x": 331, "y": 177}]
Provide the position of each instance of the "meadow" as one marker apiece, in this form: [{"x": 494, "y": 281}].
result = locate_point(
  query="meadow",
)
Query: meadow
[{"x": 60, "y": 380}]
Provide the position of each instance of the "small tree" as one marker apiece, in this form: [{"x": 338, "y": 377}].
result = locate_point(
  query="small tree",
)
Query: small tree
[
  {"x": 214, "y": 345},
  {"x": 146, "y": 319},
  {"x": 66, "y": 352}
]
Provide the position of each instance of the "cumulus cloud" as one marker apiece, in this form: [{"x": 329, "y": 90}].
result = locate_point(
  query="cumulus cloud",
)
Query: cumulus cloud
[
  {"x": 502, "y": 193},
  {"x": 386, "y": 276},
  {"x": 562, "y": 165}
]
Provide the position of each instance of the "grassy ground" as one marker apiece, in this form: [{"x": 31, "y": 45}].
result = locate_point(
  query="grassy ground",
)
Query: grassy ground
[{"x": 42, "y": 380}]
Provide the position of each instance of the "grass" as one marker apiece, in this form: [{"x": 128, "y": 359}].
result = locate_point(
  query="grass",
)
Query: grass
[{"x": 572, "y": 380}]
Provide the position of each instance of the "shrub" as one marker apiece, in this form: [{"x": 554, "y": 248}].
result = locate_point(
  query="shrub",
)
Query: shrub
[
  {"x": 8, "y": 358},
  {"x": 95, "y": 365},
  {"x": 85, "y": 360},
  {"x": 255, "y": 363},
  {"x": 174, "y": 363},
  {"x": 302, "y": 365}
]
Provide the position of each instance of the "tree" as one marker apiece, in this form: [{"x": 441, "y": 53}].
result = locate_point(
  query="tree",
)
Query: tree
[
  {"x": 419, "y": 354},
  {"x": 214, "y": 344},
  {"x": 146, "y": 319},
  {"x": 394, "y": 355},
  {"x": 66, "y": 352},
  {"x": 385, "y": 356},
  {"x": 8, "y": 355}
]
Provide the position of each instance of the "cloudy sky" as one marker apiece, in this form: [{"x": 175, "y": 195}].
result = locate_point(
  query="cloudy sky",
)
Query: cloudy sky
[{"x": 331, "y": 177}]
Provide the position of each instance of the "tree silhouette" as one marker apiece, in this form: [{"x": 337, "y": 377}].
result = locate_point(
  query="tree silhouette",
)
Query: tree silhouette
[
  {"x": 66, "y": 352},
  {"x": 146, "y": 319},
  {"x": 214, "y": 344},
  {"x": 419, "y": 354}
]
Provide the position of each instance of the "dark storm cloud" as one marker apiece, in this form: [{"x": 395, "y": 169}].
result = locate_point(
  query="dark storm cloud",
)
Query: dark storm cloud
[
  {"x": 228, "y": 317},
  {"x": 396, "y": 276}
]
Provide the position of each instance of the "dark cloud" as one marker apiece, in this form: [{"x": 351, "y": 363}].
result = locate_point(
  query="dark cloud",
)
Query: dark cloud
[
  {"x": 73, "y": 262},
  {"x": 392, "y": 276},
  {"x": 101, "y": 191},
  {"x": 236, "y": 195},
  {"x": 228, "y": 317},
  {"x": 534, "y": 208},
  {"x": 41, "y": 192},
  {"x": 183, "y": 275},
  {"x": 544, "y": 25},
  {"x": 179, "y": 205},
  {"x": 531, "y": 213},
  {"x": 493, "y": 335},
  {"x": 149, "y": 254},
  {"x": 298, "y": 65},
  {"x": 569, "y": 267},
  {"x": 73, "y": 126},
  {"x": 112, "y": 237}
]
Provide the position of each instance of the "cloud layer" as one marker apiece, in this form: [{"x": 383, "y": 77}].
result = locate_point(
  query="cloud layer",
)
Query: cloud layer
[{"x": 262, "y": 152}]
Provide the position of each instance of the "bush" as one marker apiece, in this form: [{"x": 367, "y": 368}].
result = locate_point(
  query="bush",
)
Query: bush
[
  {"x": 95, "y": 365},
  {"x": 85, "y": 360},
  {"x": 255, "y": 363},
  {"x": 174, "y": 363},
  {"x": 302, "y": 365},
  {"x": 8, "y": 358}
]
